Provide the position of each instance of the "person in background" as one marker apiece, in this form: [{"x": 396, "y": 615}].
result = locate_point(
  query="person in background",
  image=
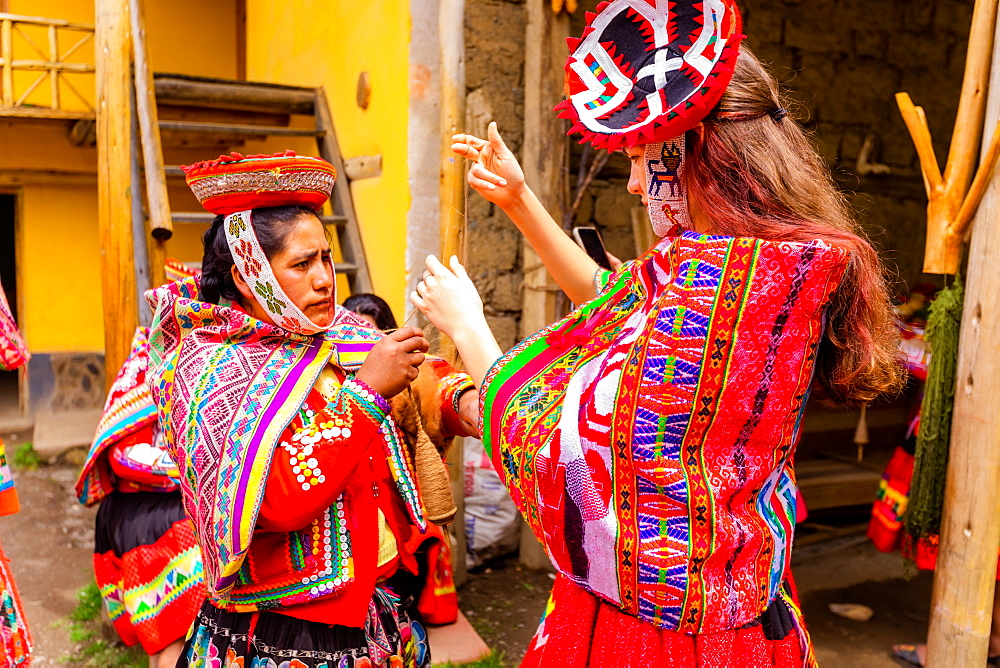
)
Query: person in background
[
  {"x": 15, "y": 639},
  {"x": 146, "y": 559}
]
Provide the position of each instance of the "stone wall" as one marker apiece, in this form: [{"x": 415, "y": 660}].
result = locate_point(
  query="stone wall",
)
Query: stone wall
[
  {"x": 494, "y": 74},
  {"x": 841, "y": 61}
]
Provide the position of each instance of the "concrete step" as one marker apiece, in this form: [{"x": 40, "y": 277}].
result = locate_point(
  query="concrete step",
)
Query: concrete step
[
  {"x": 456, "y": 644},
  {"x": 58, "y": 432}
]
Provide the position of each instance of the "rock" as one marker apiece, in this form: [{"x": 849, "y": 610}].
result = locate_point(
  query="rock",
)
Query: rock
[{"x": 853, "y": 611}]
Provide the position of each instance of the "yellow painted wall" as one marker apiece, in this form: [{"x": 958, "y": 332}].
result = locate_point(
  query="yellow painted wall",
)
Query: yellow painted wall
[
  {"x": 60, "y": 288},
  {"x": 58, "y": 245},
  {"x": 329, "y": 43}
]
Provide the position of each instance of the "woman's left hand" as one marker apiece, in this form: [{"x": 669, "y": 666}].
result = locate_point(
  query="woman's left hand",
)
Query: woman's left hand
[{"x": 449, "y": 299}]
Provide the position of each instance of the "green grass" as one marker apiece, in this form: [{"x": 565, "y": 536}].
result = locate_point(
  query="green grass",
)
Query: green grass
[
  {"x": 494, "y": 660},
  {"x": 25, "y": 457},
  {"x": 83, "y": 626}
]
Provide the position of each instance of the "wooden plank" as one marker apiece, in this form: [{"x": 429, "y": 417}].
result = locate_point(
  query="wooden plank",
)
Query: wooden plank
[
  {"x": 50, "y": 65},
  {"x": 7, "y": 54},
  {"x": 834, "y": 484},
  {"x": 114, "y": 188},
  {"x": 964, "y": 582},
  {"x": 221, "y": 94},
  {"x": 545, "y": 162},
  {"x": 177, "y": 112},
  {"x": 157, "y": 200},
  {"x": 54, "y": 71},
  {"x": 238, "y": 129},
  {"x": 38, "y": 20},
  {"x": 46, "y": 177},
  {"x": 43, "y": 113}
]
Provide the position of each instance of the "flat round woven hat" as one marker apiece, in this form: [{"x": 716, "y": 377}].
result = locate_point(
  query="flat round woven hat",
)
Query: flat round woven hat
[
  {"x": 646, "y": 71},
  {"x": 233, "y": 183}
]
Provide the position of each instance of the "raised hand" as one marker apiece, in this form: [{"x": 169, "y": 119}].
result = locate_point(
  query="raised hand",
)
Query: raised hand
[
  {"x": 495, "y": 174},
  {"x": 450, "y": 300},
  {"x": 393, "y": 362}
]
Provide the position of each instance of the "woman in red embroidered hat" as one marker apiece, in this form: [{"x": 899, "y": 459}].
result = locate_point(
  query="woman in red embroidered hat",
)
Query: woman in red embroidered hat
[
  {"x": 273, "y": 403},
  {"x": 647, "y": 438}
]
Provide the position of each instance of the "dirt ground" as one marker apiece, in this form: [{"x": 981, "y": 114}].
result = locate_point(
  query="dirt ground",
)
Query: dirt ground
[{"x": 49, "y": 544}]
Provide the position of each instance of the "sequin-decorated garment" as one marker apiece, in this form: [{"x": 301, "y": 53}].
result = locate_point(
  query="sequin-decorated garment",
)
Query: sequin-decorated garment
[
  {"x": 226, "y": 387},
  {"x": 647, "y": 437}
]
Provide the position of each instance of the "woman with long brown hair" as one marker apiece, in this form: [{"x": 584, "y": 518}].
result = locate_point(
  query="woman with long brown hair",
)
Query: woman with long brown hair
[{"x": 648, "y": 436}]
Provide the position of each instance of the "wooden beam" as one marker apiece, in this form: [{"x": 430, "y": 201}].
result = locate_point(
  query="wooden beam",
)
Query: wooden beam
[
  {"x": 545, "y": 161},
  {"x": 451, "y": 31},
  {"x": 229, "y": 95},
  {"x": 42, "y": 113},
  {"x": 451, "y": 191},
  {"x": 157, "y": 201},
  {"x": 38, "y": 20},
  {"x": 970, "y": 528},
  {"x": 114, "y": 187}
]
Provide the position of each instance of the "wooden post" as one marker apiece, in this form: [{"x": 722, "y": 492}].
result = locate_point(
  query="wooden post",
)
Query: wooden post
[
  {"x": 545, "y": 160},
  {"x": 7, "y": 56},
  {"x": 451, "y": 36},
  {"x": 114, "y": 187},
  {"x": 157, "y": 202},
  {"x": 970, "y": 529},
  {"x": 947, "y": 199},
  {"x": 54, "y": 69},
  {"x": 451, "y": 31}
]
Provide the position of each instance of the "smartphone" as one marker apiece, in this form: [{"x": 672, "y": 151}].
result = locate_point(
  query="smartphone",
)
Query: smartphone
[{"x": 590, "y": 241}]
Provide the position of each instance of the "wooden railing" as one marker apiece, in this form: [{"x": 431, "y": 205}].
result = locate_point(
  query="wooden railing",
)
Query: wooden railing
[{"x": 51, "y": 64}]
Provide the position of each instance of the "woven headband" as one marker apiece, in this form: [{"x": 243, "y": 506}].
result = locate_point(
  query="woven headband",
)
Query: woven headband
[{"x": 255, "y": 269}]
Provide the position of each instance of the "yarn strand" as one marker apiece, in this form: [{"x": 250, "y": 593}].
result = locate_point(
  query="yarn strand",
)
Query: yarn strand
[{"x": 930, "y": 466}]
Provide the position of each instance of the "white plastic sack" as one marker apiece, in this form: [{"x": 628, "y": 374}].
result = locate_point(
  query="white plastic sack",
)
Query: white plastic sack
[{"x": 492, "y": 528}]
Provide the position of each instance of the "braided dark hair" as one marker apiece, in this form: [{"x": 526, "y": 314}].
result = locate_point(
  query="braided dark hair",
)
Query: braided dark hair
[{"x": 271, "y": 227}]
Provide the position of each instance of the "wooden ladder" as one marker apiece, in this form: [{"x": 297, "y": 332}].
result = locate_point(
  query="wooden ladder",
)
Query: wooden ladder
[{"x": 271, "y": 100}]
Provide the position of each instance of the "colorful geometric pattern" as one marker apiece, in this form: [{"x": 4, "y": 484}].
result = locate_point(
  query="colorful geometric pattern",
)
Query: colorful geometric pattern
[
  {"x": 645, "y": 71},
  {"x": 647, "y": 437},
  {"x": 13, "y": 351},
  {"x": 128, "y": 409},
  {"x": 15, "y": 639},
  {"x": 226, "y": 386},
  {"x": 153, "y": 592}
]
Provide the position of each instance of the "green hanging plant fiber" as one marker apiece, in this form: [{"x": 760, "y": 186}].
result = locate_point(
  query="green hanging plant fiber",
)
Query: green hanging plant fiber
[{"x": 930, "y": 465}]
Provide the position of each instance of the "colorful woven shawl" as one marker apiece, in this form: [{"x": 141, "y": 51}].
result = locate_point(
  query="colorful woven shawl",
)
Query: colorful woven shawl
[
  {"x": 128, "y": 409},
  {"x": 647, "y": 437},
  {"x": 13, "y": 352},
  {"x": 226, "y": 386}
]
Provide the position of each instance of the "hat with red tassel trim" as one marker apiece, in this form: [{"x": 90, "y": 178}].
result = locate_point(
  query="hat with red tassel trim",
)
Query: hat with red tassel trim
[
  {"x": 233, "y": 183},
  {"x": 646, "y": 71}
]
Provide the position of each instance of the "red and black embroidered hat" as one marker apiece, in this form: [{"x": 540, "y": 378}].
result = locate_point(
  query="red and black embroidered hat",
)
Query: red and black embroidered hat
[
  {"x": 232, "y": 183},
  {"x": 649, "y": 70}
]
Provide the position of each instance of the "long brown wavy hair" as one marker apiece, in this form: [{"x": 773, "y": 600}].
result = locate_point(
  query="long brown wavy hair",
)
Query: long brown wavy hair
[{"x": 754, "y": 173}]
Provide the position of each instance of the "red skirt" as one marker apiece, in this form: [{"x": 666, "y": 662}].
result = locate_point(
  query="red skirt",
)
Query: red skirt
[
  {"x": 15, "y": 641},
  {"x": 579, "y": 629},
  {"x": 148, "y": 567}
]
